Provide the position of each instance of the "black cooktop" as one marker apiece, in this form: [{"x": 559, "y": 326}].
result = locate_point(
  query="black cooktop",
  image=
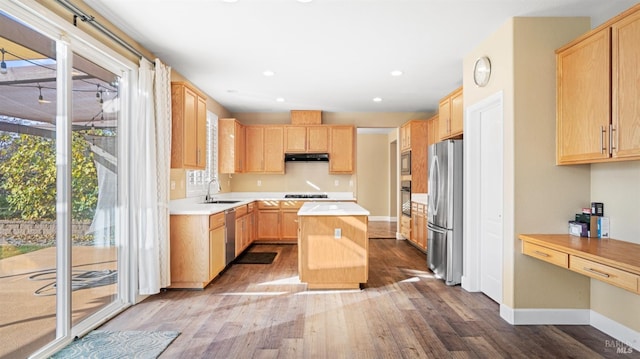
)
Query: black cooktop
[{"x": 306, "y": 196}]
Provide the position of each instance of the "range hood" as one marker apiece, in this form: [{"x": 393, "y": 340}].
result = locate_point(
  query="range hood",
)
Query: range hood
[{"x": 306, "y": 157}]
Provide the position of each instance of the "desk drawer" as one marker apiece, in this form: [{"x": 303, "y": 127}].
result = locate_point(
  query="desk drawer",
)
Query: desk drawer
[
  {"x": 617, "y": 277},
  {"x": 546, "y": 254}
]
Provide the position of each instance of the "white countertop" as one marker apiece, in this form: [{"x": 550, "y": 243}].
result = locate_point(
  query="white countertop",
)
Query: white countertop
[
  {"x": 196, "y": 205},
  {"x": 332, "y": 209}
]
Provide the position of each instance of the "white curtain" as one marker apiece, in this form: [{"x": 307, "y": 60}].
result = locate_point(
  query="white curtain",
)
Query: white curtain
[
  {"x": 163, "y": 153},
  {"x": 147, "y": 222}
]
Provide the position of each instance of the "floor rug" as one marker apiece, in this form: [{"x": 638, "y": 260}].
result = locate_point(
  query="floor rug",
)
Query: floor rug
[
  {"x": 120, "y": 344},
  {"x": 256, "y": 258}
]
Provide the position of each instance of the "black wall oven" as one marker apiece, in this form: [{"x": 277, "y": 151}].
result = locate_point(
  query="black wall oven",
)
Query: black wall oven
[
  {"x": 405, "y": 163},
  {"x": 405, "y": 197}
]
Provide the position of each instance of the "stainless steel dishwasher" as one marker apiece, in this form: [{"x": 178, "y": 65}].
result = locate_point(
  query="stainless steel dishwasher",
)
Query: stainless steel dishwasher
[{"x": 230, "y": 235}]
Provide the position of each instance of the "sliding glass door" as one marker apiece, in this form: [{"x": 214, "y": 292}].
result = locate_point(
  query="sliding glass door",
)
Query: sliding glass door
[{"x": 62, "y": 237}]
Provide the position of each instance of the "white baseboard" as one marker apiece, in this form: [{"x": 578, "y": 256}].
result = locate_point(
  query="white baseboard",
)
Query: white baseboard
[
  {"x": 381, "y": 219},
  {"x": 625, "y": 336},
  {"x": 544, "y": 316}
]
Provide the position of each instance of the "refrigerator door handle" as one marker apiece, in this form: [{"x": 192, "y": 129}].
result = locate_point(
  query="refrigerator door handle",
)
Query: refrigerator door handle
[
  {"x": 436, "y": 229},
  {"x": 434, "y": 199}
]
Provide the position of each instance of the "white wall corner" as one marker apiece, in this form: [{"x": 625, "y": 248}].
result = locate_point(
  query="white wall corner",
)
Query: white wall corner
[
  {"x": 625, "y": 336},
  {"x": 470, "y": 284}
]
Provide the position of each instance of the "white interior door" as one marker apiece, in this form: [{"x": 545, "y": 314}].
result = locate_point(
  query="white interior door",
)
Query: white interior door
[{"x": 491, "y": 189}]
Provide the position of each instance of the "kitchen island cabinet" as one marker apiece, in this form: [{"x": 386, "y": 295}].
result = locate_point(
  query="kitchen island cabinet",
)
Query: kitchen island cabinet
[{"x": 333, "y": 245}]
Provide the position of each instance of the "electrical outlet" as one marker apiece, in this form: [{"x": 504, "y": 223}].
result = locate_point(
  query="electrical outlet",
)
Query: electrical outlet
[
  {"x": 173, "y": 185},
  {"x": 337, "y": 233},
  {"x": 336, "y": 183},
  {"x": 259, "y": 183}
]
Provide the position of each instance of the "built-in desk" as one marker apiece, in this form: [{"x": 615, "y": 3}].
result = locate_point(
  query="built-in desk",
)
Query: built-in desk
[{"x": 609, "y": 260}]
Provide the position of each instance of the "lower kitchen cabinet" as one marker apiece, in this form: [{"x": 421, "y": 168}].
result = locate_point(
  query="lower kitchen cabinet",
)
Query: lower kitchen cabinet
[
  {"x": 278, "y": 221},
  {"x": 197, "y": 249},
  {"x": 405, "y": 226},
  {"x": 243, "y": 229},
  {"x": 419, "y": 225}
]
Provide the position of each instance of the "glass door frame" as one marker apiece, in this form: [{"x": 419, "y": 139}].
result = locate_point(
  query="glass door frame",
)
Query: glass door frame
[{"x": 70, "y": 40}]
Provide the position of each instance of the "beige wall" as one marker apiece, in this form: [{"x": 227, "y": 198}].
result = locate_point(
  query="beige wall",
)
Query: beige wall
[
  {"x": 299, "y": 177},
  {"x": 374, "y": 174},
  {"x": 617, "y": 185},
  {"x": 539, "y": 197}
]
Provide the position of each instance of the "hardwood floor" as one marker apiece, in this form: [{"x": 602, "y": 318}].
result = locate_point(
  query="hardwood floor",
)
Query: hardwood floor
[{"x": 262, "y": 311}]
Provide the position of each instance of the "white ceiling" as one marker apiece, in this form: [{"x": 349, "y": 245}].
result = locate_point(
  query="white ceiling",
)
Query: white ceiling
[{"x": 330, "y": 55}]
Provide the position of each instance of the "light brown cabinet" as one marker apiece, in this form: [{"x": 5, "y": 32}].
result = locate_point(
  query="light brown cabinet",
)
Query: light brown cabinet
[
  {"x": 264, "y": 149},
  {"x": 243, "y": 229},
  {"x": 451, "y": 116},
  {"x": 405, "y": 226},
  {"x": 306, "y": 117},
  {"x": 325, "y": 262},
  {"x": 416, "y": 133},
  {"x": 405, "y": 137},
  {"x": 197, "y": 249},
  {"x": 612, "y": 261},
  {"x": 597, "y": 115},
  {"x": 419, "y": 225},
  {"x": 278, "y": 221},
  {"x": 306, "y": 139},
  {"x": 231, "y": 146},
  {"x": 188, "y": 127},
  {"x": 342, "y": 149}
]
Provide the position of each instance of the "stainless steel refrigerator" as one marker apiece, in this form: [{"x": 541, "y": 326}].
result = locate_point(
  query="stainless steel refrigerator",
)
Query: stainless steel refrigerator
[{"x": 444, "y": 211}]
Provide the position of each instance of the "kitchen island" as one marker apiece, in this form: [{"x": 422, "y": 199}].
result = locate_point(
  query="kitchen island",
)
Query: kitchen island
[{"x": 333, "y": 246}]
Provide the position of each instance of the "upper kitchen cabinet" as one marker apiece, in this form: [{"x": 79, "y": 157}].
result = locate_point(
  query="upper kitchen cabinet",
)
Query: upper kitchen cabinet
[
  {"x": 306, "y": 139},
  {"x": 598, "y": 116},
  {"x": 231, "y": 146},
  {"x": 450, "y": 116},
  {"x": 415, "y": 134},
  {"x": 188, "y": 127},
  {"x": 264, "y": 149},
  {"x": 306, "y": 117},
  {"x": 342, "y": 149}
]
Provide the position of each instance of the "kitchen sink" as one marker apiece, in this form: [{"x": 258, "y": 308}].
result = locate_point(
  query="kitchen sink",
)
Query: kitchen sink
[{"x": 215, "y": 201}]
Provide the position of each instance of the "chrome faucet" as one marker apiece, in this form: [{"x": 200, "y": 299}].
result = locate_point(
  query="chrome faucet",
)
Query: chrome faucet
[{"x": 218, "y": 188}]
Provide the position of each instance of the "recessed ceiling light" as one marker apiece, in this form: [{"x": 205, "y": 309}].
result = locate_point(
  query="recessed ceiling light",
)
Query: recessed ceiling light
[
  {"x": 304, "y": 1},
  {"x": 377, "y": 99},
  {"x": 229, "y": 0},
  {"x": 268, "y": 73},
  {"x": 279, "y": 99},
  {"x": 396, "y": 73}
]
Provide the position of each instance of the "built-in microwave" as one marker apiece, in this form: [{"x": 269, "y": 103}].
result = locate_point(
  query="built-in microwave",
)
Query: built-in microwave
[{"x": 405, "y": 163}]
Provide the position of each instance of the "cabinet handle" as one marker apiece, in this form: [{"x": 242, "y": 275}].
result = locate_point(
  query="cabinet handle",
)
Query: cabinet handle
[
  {"x": 542, "y": 254},
  {"x": 596, "y": 272},
  {"x": 611, "y": 139},
  {"x": 602, "y": 132}
]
